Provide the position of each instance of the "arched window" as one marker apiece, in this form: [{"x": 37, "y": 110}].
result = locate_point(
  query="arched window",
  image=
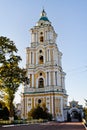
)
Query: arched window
[
  {"x": 41, "y": 60},
  {"x": 41, "y": 39},
  {"x": 41, "y": 33},
  {"x": 41, "y": 83}
]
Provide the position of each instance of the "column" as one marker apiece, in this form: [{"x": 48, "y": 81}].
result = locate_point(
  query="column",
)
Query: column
[
  {"x": 36, "y": 83},
  {"x": 49, "y": 78},
  {"x": 45, "y": 35},
  {"x": 36, "y": 38},
  {"x": 57, "y": 78},
  {"x": 36, "y": 58},
  {"x": 44, "y": 58},
  {"x": 25, "y": 106},
  {"x": 54, "y": 78},
  {"x": 46, "y": 78},
  {"x": 30, "y": 58},
  {"x": 32, "y": 80},
  {"x": 49, "y": 55},
  {"x": 26, "y": 58},
  {"x": 33, "y": 58},
  {"x": 63, "y": 81},
  {"x": 62, "y": 118},
  {"x": 52, "y": 105},
  {"x": 32, "y": 38}
]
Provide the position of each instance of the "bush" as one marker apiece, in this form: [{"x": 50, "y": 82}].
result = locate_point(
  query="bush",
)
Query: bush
[
  {"x": 39, "y": 113},
  {"x": 4, "y": 113},
  {"x": 85, "y": 114}
]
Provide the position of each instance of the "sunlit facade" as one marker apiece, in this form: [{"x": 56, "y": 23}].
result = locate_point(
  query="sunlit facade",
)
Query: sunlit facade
[{"x": 44, "y": 70}]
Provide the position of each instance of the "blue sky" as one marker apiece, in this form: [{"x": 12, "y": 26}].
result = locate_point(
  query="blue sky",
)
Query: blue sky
[{"x": 69, "y": 19}]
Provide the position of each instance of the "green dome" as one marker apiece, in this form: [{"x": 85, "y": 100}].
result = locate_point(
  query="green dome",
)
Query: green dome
[
  {"x": 43, "y": 16},
  {"x": 44, "y": 19}
]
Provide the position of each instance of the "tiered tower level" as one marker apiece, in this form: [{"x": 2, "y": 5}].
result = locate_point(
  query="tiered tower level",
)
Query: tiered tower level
[{"x": 44, "y": 70}]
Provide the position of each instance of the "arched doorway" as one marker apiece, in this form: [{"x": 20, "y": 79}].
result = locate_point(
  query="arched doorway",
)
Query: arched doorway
[
  {"x": 41, "y": 83},
  {"x": 74, "y": 114}
]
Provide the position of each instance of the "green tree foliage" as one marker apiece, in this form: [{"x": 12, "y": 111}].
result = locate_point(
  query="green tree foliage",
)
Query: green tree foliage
[
  {"x": 6, "y": 47},
  {"x": 11, "y": 75},
  {"x": 85, "y": 113},
  {"x": 39, "y": 113},
  {"x": 4, "y": 113}
]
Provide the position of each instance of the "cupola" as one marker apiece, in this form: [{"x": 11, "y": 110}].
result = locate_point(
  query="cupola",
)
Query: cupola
[{"x": 43, "y": 19}]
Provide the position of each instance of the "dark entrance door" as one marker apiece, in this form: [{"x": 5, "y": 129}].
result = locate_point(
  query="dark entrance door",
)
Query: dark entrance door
[{"x": 74, "y": 116}]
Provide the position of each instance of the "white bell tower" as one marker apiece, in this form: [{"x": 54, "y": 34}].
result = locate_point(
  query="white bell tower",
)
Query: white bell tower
[{"x": 44, "y": 70}]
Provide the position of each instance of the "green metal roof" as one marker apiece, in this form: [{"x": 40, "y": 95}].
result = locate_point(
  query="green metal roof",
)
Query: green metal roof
[
  {"x": 44, "y": 19},
  {"x": 43, "y": 16}
]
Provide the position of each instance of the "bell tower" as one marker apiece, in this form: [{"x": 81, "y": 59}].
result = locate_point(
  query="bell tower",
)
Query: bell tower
[{"x": 44, "y": 70}]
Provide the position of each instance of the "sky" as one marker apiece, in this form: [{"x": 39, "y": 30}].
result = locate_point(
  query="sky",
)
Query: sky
[{"x": 69, "y": 19}]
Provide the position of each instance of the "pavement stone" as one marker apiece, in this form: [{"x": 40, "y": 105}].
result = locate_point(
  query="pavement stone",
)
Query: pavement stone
[{"x": 47, "y": 126}]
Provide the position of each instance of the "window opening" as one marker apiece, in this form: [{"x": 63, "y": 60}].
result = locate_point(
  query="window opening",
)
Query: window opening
[
  {"x": 41, "y": 33},
  {"x": 41, "y": 60},
  {"x": 40, "y": 51},
  {"x": 40, "y": 74},
  {"x": 41, "y": 83},
  {"x": 39, "y": 101},
  {"x": 41, "y": 39}
]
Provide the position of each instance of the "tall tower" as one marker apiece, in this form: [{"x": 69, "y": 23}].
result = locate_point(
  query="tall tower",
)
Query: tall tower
[{"x": 44, "y": 70}]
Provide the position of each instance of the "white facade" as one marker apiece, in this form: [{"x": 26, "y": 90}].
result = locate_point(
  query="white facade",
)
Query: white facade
[{"x": 44, "y": 70}]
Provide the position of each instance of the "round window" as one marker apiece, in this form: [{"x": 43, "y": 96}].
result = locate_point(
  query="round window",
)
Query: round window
[
  {"x": 40, "y": 51},
  {"x": 39, "y": 101}
]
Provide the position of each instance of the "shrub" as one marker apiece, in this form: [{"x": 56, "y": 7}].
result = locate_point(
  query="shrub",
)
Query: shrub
[{"x": 39, "y": 113}]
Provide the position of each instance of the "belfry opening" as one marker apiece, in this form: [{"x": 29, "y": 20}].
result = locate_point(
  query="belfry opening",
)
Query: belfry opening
[{"x": 41, "y": 83}]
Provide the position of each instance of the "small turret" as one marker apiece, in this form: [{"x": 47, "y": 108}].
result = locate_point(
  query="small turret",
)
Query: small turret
[{"x": 43, "y": 18}]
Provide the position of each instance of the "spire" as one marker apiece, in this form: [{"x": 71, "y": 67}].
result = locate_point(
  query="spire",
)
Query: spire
[{"x": 43, "y": 13}]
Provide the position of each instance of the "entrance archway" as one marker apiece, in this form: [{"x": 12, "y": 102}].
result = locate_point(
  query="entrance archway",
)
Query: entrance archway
[{"x": 74, "y": 114}]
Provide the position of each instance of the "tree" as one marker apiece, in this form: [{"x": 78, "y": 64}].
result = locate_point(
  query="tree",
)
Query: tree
[
  {"x": 11, "y": 75},
  {"x": 85, "y": 113},
  {"x": 4, "y": 113},
  {"x": 6, "y": 47}
]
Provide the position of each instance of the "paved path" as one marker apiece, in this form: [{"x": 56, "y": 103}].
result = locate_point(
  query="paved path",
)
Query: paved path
[{"x": 47, "y": 126}]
